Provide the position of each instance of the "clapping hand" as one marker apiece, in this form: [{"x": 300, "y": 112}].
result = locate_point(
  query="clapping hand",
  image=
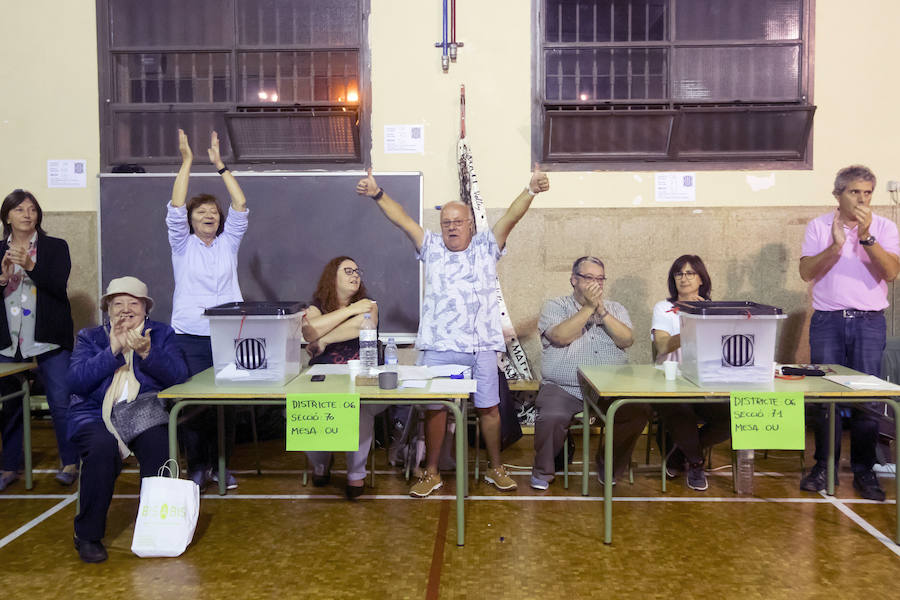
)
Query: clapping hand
[
  {"x": 7, "y": 268},
  {"x": 184, "y": 147},
  {"x": 117, "y": 339},
  {"x": 863, "y": 216},
  {"x": 138, "y": 343},
  {"x": 20, "y": 255},
  {"x": 539, "y": 180},
  {"x": 215, "y": 156},
  {"x": 593, "y": 295},
  {"x": 367, "y": 185}
]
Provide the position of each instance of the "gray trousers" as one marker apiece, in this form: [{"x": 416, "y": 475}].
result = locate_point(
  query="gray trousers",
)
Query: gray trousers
[
  {"x": 555, "y": 409},
  {"x": 356, "y": 461}
]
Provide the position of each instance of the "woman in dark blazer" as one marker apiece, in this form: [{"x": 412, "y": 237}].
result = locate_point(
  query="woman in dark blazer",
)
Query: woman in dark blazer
[{"x": 36, "y": 323}]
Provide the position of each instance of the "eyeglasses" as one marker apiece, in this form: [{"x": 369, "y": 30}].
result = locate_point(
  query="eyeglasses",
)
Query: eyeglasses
[
  {"x": 456, "y": 224},
  {"x": 688, "y": 274},
  {"x": 358, "y": 272},
  {"x": 599, "y": 279}
]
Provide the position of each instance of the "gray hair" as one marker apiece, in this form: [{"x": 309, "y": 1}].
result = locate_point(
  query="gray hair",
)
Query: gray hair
[
  {"x": 584, "y": 259},
  {"x": 849, "y": 174}
]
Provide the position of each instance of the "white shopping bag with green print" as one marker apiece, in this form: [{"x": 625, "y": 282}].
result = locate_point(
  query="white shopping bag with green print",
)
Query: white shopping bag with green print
[{"x": 167, "y": 515}]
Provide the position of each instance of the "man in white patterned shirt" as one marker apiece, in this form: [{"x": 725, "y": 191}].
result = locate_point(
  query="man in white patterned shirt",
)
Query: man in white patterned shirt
[
  {"x": 460, "y": 321},
  {"x": 582, "y": 328}
]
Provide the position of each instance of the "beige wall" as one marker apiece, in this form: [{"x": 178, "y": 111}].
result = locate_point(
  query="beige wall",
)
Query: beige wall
[
  {"x": 48, "y": 106},
  {"x": 49, "y": 110}
]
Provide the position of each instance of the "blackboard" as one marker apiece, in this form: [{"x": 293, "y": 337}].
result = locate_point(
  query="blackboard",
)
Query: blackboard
[{"x": 297, "y": 223}]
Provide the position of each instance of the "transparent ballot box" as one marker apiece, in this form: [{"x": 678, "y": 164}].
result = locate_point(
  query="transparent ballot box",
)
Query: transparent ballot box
[
  {"x": 256, "y": 342},
  {"x": 728, "y": 342}
]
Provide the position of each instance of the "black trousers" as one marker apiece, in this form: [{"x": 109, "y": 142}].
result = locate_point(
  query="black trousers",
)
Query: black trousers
[
  {"x": 681, "y": 422},
  {"x": 101, "y": 464}
]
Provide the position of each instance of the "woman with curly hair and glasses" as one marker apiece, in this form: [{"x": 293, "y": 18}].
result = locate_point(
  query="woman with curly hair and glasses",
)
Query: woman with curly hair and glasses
[{"x": 331, "y": 327}]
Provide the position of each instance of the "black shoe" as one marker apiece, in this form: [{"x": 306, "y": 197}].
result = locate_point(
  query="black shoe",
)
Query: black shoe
[
  {"x": 696, "y": 477},
  {"x": 354, "y": 491},
  {"x": 866, "y": 484},
  {"x": 675, "y": 462},
  {"x": 817, "y": 479},
  {"x": 90, "y": 552}
]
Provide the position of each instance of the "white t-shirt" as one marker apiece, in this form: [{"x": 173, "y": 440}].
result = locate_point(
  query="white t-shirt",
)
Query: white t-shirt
[{"x": 665, "y": 319}]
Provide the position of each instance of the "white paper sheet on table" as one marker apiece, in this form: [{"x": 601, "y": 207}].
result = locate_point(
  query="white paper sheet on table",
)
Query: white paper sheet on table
[
  {"x": 453, "y": 386},
  {"x": 414, "y": 383},
  {"x": 404, "y": 372},
  {"x": 862, "y": 382},
  {"x": 448, "y": 370}
]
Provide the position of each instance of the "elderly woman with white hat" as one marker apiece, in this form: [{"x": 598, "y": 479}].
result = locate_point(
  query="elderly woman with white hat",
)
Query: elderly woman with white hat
[{"x": 115, "y": 374}]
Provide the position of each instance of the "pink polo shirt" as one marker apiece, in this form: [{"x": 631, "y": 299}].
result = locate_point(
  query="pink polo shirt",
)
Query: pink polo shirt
[{"x": 853, "y": 282}]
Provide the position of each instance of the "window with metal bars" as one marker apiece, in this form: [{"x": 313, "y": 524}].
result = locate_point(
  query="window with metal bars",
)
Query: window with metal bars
[
  {"x": 626, "y": 81},
  {"x": 280, "y": 80}
]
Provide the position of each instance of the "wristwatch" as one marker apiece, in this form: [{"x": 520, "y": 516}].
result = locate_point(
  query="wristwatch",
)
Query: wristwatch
[{"x": 869, "y": 241}]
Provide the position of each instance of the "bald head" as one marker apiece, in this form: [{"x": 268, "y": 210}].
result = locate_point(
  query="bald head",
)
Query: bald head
[{"x": 457, "y": 226}]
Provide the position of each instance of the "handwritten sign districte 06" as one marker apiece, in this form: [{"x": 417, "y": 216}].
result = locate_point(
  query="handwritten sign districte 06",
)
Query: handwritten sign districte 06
[
  {"x": 327, "y": 422},
  {"x": 767, "y": 421}
]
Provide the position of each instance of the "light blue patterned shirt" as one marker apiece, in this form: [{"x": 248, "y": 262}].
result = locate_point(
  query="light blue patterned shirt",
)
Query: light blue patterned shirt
[{"x": 460, "y": 312}]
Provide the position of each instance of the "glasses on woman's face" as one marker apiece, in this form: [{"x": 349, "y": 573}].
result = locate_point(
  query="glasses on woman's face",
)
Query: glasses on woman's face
[
  {"x": 599, "y": 279},
  {"x": 685, "y": 275},
  {"x": 351, "y": 271}
]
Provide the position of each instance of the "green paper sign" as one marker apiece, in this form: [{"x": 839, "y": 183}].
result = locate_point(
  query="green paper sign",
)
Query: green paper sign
[
  {"x": 328, "y": 422},
  {"x": 767, "y": 421}
]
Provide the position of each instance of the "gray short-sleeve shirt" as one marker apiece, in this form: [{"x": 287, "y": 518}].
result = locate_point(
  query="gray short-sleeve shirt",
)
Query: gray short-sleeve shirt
[{"x": 594, "y": 347}]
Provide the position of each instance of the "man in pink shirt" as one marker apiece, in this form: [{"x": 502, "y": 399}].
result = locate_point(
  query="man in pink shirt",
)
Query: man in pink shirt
[{"x": 849, "y": 256}]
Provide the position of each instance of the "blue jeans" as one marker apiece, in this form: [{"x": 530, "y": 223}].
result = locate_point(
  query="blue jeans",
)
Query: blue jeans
[
  {"x": 52, "y": 369},
  {"x": 852, "y": 341}
]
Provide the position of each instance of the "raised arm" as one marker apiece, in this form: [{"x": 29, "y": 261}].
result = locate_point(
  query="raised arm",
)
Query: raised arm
[
  {"x": 238, "y": 202},
  {"x": 179, "y": 190},
  {"x": 391, "y": 209},
  {"x": 539, "y": 183}
]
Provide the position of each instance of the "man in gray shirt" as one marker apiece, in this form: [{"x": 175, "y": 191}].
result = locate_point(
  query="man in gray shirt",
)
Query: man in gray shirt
[{"x": 581, "y": 329}]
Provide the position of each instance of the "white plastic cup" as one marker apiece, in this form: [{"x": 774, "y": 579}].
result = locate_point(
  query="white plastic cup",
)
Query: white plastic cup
[
  {"x": 671, "y": 369},
  {"x": 355, "y": 366}
]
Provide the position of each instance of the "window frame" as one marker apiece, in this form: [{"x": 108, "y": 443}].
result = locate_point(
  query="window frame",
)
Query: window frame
[
  {"x": 540, "y": 119},
  {"x": 108, "y": 110}
]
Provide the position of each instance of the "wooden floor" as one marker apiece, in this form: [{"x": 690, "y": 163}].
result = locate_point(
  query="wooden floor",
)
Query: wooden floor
[{"x": 273, "y": 538}]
